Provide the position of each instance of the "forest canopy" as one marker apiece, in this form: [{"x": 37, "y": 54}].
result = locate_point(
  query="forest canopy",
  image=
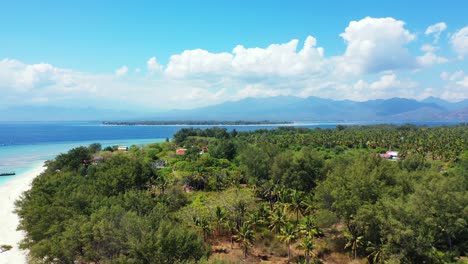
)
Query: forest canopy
[{"x": 287, "y": 194}]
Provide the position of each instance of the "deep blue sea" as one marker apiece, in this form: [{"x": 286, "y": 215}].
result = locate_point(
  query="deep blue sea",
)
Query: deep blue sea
[{"x": 26, "y": 145}]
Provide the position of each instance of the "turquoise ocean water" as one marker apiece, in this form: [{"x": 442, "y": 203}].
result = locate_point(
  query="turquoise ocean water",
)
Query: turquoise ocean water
[
  {"x": 26, "y": 145},
  {"x": 22, "y": 158}
]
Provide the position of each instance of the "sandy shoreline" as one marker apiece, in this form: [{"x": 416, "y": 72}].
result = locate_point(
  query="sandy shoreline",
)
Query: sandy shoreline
[{"x": 9, "y": 193}]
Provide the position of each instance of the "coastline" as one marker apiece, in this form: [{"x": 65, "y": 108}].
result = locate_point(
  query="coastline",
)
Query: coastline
[
  {"x": 9, "y": 193},
  {"x": 208, "y": 125}
]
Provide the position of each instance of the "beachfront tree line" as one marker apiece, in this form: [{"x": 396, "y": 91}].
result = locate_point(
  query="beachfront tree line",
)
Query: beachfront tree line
[{"x": 290, "y": 193}]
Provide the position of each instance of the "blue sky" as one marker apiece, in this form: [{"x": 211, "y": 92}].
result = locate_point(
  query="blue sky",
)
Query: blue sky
[{"x": 66, "y": 52}]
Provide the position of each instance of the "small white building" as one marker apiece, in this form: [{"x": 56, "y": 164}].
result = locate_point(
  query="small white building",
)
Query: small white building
[
  {"x": 122, "y": 148},
  {"x": 390, "y": 155}
]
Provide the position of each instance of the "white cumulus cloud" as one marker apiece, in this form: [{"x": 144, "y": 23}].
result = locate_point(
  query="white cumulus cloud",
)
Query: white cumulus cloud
[
  {"x": 430, "y": 57},
  {"x": 385, "y": 82},
  {"x": 122, "y": 71},
  {"x": 276, "y": 60},
  {"x": 459, "y": 42},
  {"x": 260, "y": 90},
  {"x": 17, "y": 75},
  {"x": 464, "y": 82},
  {"x": 436, "y": 30},
  {"x": 446, "y": 76},
  {"x": 375, "y": 45},
  {"x": 376, "y": 63},
  {"x": 153, "y": 65},
  {"x": 455, "y": 88},
  {"x": 386, "y": 86},
  {"x": 281, "y": 60},
  {"x": 198, "y": 62}
]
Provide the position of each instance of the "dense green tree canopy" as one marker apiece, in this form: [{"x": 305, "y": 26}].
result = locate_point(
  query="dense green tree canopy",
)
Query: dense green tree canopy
[{"x": 282, "y": 187}]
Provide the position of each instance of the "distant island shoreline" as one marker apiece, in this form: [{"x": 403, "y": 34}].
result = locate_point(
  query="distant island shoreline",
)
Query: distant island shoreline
[
  {"x": 196, "y": 123},
  {"x": 277, "y": 123}
]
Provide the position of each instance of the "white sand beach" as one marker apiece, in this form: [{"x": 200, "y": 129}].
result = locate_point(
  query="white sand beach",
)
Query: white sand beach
[{"x": 9, "y": 193}]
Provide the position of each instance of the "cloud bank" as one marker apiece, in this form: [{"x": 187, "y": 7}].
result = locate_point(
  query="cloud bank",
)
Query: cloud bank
[{"x": 377, "y": 62}]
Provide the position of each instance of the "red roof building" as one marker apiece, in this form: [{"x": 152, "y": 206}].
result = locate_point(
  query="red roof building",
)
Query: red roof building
[{"x": 180, "y": 151}]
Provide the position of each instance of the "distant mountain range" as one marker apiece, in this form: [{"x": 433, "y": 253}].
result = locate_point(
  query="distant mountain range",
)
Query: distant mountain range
[
  {"x": 280, "y": 108},
  {"x": 289, "y": 108}
]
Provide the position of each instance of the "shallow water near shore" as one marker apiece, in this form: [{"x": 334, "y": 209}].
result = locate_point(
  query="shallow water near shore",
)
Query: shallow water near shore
[
  {"x": 23, "y": 158},
  {"x": 24, "y": 145}
]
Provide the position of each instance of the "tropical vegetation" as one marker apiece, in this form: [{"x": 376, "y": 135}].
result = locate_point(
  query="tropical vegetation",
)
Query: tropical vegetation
[{"x": 289, "y": 194}]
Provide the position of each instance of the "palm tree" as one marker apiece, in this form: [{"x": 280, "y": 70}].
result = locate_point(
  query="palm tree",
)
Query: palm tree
[
  {"x": 296, "y": 203},
  {"x": 204, "y": 225},
  {"x": 307, "y": 227},
  {"x": 267, "y": 192},
  {"x": 307, "y": 204},
  {"x": 283, "y": 196},
  {"x": 240, "y": 208},
  {"x": 220, "y": 217},
  {"x": 277, "y": 220},
  {"x": 375, "y": 253},
  {"x": 246, "y": 237},
  {"x": 288, "y": 235},
  {"x": 200, "y": 180},
  {"x": 161, "y": 182},
  {"x": 263, "y": 213},
  {"x": 231, "y": 227},
  {"x": 254, "y": 219},
  {"x": 354, "y": 242},
  {"x": 307, "y": 244}
]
